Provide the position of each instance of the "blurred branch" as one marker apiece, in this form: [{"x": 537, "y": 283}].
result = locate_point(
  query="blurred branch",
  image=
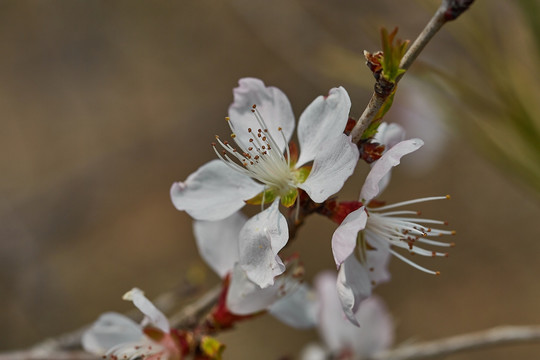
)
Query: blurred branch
[
  {"x": 494, "y": 337},
  {"x": 447, "y": 11},
  {"x": 56, "y": 355}
]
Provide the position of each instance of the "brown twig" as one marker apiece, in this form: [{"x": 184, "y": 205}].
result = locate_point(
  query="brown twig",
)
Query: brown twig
[
  {"x": 494, "y": 337},
  {"x": 447, "y": 11}
]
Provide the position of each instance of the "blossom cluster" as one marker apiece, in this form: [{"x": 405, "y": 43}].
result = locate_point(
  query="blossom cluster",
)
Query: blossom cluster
[{"x": 260, "y": 165}]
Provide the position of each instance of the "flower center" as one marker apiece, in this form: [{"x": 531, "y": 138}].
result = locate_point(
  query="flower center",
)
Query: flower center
[
  {"x": 403, "y": 231},
  {"x": 261, "y": 159}
]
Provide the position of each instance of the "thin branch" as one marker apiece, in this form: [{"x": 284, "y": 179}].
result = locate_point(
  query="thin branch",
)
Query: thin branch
[
  {"x": 494, "y": 337},
  {"x": 448, "y": 10},
  {"x": 191, "y": 314}
]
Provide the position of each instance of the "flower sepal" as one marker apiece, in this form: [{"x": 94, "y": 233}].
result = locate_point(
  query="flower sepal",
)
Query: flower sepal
[
  {"x": 267, "y": 196},
  {"x": 289, "y": 198}
]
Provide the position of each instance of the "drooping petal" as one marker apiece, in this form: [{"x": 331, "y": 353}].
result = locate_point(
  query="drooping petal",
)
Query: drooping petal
[
  {"x": 151, "y": 312},
  {"x": 297, "y": 309},
  {"x": 261, "y": 238},
  {"x": 332, "y": 321},
  {"x": 245, "y": 297},
  {"x": 353, "y": 287},
  {"x": 218, "y": 242},
  {"x": 214, "y": 191},
  {"x": 272, "y": 104},
  {"x": 389, "y": 134},
  {"x": 377, "y": 258},
  {"x": 382, "y": 166},
  {"x": 323, "y": 119},
  {"x": 376, "y": 328},
  {"x": 108, "y": 331},
  {"x": 332, "y": 166},
  {"x": 344, "y": 238},
  {"x": 376, "y": 331}
]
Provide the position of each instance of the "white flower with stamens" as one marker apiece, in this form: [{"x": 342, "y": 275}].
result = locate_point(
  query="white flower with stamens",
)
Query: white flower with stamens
[
  {"x": 115, "y": 336},
  {"x": 374, "y": 231},
  {"x": 260, "y": 162},
  {"x": 260, "y": 169}
]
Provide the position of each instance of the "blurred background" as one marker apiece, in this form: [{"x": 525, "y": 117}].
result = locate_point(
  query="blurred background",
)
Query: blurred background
[{"x": 104, "y": 104}]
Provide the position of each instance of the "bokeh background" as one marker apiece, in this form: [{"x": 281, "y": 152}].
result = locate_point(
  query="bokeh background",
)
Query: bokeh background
[{"x": 104, "y": 104}]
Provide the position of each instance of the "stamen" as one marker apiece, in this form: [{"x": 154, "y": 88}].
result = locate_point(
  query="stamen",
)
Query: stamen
[
  {"x": 413, "y": 264},
  {"x": 415, "y": 201}
]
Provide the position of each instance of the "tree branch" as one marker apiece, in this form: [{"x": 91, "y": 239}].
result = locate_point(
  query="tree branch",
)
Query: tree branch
[
  {"x": 494, "y": 337},
  {"x": 447, "y": 11}
]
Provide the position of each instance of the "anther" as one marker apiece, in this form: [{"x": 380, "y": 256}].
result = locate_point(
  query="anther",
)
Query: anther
[
  {"x": 453, "y": 232},
  {"x": 214, "y": 144},
  {"x": 249, "y": 129},
  {"x": 254, "y": 106},
  {"x": 250, "y": 148},
  {"x": 437, "y": 273},
  {"x": 279, "y": 128},
  {"x": 227, "y": 118},
  {"x": 250, "y": 140},
  {"x": 233, "y": 135},
  {"x": 448, "y": 197}
]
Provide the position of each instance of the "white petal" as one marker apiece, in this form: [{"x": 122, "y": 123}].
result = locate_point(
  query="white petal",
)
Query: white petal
[
  {"x": 271, "y": 102},
  {"x": 324, "y": 119},
  {"x": 214, "y": 191},
  {"x": 376, "y": 332},
  {"x": 377, "y": 259},
  {"x": 218, "y": 242},
  {"x": 152, "y": 313},
  {"x": 353, "y": 286},
  {"x": 332, "y": 166},
  {"x": 382, "y": 166},
  {"x": 313, "y": 352},
  {"x": 344, "y": 238},
  {"x": 297, "y": 309},
  {"x": 108, "y": 331},
  {"x": 389, "y": 134},
  {"x": 339, "y": 334},
  {"x": 261, "y": 238},
  {"x": 245, "y": 297},
  {"x": 332, "y": 321}
]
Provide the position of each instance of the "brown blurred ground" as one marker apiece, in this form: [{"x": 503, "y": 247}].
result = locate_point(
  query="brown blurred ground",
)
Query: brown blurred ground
[{"x": 104, "y": 105}]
